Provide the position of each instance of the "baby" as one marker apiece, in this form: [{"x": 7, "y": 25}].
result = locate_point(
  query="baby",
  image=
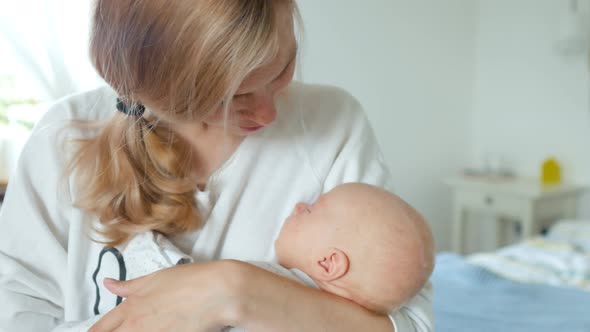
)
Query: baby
[{"x": 357, "y": 241}]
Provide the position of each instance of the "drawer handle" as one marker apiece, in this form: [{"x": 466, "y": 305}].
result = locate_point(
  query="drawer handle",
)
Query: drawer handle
[{"x": 489, "y": 200}]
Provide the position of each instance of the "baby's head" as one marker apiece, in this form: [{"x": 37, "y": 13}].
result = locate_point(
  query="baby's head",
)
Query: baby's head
[{"x": 362, "y": 243}]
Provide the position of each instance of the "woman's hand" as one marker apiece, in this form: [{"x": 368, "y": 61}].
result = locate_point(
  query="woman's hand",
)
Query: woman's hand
[{"x": 191, "y": 297}]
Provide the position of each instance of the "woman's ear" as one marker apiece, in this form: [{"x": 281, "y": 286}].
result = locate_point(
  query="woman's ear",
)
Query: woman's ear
[{"x": 332, "y": 265}]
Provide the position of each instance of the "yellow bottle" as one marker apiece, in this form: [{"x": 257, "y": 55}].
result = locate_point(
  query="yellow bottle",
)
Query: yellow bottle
[{"x": 551, "y": 172}]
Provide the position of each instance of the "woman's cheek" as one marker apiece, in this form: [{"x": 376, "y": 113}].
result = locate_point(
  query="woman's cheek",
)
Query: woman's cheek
[{"x": 219, "y": 119}]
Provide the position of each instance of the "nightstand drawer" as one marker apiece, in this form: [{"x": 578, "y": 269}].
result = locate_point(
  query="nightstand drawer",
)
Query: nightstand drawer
[{"x": 502, "y": 203}]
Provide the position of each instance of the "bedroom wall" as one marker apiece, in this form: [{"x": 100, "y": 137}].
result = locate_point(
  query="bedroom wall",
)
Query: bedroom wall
[
  {"x": 530, "y": 101},
  {"x": 410, "y": 63}
]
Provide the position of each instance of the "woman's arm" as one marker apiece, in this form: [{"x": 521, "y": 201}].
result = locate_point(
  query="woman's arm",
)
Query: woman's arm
[
  {"x": 268, "y": 302},
  {"x": 209, "y": 296}
]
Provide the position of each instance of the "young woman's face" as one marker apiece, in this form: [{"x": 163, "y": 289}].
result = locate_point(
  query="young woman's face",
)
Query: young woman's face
[{"x": 253, "y": 105}]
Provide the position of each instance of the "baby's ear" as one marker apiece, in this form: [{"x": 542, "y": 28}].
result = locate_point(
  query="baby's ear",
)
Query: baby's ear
[{"x": 332, "y": 265}]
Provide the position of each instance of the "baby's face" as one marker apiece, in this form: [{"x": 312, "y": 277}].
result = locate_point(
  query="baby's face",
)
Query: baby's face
[{"x": 305, "y": 230}]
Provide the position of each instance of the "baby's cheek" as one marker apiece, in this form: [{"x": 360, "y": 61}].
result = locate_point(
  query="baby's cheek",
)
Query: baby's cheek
[
  {"x": 282, "y": 238},
  {"x": 285, "y": 240}
]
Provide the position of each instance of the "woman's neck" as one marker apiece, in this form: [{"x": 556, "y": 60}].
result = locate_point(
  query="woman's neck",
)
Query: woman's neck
[{"x": 211, "y": 147}]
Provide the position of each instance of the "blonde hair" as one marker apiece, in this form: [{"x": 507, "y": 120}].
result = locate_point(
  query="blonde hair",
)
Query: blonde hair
[{"x": 183, "y": 61}]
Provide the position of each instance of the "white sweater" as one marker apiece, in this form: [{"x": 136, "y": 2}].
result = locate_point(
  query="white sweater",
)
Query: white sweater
[{"x": 321, "y": 138}]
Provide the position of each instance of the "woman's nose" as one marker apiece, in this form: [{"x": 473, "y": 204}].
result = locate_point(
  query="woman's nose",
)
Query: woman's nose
[{"x": 264, "y": 111}]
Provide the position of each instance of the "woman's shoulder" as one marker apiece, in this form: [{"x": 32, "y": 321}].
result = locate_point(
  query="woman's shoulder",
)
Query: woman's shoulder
[
  {"x": 92, "y": 105},
  {"x": 326, "y": 110},
  {"x": 330, "y": 121},
  {"x": 328, "y": 99},
  {"x": 49, "y": 142},
  {"x": 58, "y": 121}
]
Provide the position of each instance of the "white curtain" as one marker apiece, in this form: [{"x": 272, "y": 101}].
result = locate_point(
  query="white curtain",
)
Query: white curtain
[
  {"x": 48, "y": 39},
  {"x": 44, "y": 52}
]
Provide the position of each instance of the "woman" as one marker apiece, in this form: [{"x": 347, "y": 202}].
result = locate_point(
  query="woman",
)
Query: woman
[{"x": 212, "y": 146}]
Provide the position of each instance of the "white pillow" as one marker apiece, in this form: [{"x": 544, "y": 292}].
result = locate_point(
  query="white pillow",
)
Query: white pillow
[{"x": 575, "y": 232}]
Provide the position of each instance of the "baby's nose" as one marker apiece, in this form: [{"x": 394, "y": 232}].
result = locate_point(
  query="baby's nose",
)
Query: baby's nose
[{"x": 299, "y": 207}]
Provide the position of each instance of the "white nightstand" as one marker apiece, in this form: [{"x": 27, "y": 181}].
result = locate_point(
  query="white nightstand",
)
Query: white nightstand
[{"x": 523, "y": 200}]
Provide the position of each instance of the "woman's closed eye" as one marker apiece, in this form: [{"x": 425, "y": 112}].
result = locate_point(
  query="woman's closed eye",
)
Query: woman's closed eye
[
  {"x": 284, "y": 74},
  {"x": 242, "y": 95}
]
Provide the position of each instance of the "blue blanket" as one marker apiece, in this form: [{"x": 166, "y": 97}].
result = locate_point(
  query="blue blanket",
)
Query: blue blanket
[{"x": 469, "y": 298}]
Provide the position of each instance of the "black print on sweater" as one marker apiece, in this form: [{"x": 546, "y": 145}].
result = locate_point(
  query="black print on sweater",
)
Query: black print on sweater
[
  {"x": 122, "y": 269},
  {"x": 122, "y": 274}
]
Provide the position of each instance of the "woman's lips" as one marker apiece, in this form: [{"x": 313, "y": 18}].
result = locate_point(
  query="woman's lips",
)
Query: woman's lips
[{"x": 252, "y": 129}]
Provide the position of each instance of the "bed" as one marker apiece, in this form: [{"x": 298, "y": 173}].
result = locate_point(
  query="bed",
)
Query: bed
[{"x": 542, "y": 284}]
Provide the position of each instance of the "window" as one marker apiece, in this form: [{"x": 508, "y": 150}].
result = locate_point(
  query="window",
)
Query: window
[{"x": 44, "y": 57}]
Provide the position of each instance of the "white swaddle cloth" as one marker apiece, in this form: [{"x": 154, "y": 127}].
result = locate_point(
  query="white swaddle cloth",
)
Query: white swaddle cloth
[{"x": 150, "y": 252}]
